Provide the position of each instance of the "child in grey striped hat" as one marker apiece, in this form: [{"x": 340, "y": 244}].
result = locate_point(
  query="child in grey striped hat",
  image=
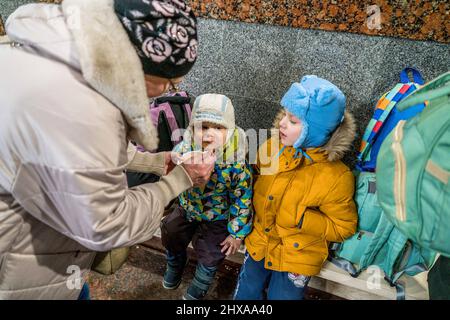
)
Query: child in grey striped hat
[{"x": 217, "y": 216}]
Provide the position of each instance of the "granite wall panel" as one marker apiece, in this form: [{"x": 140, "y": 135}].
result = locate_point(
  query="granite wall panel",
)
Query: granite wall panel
[{"x": 254, "y": 63}]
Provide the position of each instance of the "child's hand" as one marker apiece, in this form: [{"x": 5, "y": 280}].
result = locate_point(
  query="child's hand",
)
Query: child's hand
[{"x": 230, "y": 245}]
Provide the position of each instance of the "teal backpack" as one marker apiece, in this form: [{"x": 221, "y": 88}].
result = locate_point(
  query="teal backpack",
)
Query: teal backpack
[
  {"x": 377, "y": 241},
  {"x": 413, "y": 169}
]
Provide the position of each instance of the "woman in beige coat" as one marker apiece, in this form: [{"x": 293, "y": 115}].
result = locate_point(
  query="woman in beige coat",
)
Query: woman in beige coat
[{"x": 74, "y": 86}]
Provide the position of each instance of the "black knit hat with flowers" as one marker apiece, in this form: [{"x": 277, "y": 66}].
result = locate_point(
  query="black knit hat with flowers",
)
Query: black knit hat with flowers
[{"x": 164, "y": 34}]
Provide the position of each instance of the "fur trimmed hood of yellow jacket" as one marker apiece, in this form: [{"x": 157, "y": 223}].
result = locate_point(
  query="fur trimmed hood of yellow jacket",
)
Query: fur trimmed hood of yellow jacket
[{"x": 340, "y": 141}]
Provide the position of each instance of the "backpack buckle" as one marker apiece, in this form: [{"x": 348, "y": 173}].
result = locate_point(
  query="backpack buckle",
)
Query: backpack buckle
[{"x": 389, "y": 281}]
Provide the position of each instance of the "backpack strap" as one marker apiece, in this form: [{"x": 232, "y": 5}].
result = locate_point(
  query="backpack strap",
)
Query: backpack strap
[
  {"x": 380, "y": 236},
  {"x": 404, "y": 268},
  {"x": 177, "y": 99},
  {"x": 163, "y": 104},
  {"x": 417, "y": 77},
  {"x": 171, "y": 120},
  {"x": 187, "y": 107},
  {"x": 345, "y": 265},
  {"x": 382, "y": 110},
  {"x": 399, "y": 286},
  {"x": 400, "y": 246},
  {"x": 417, "y": 268}
]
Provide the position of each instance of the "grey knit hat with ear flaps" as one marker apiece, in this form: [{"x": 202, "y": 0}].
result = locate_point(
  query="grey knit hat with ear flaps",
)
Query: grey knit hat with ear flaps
[{"x": 213, "y": 108}]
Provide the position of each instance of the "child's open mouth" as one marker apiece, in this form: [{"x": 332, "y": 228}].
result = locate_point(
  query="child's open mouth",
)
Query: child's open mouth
[
  {"x": 207, "y": 144},
  {"x": 282, "y": 135}
]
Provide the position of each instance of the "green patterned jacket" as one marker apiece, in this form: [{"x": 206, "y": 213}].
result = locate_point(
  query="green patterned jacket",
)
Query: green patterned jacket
[{"x": 226, "y": 196}]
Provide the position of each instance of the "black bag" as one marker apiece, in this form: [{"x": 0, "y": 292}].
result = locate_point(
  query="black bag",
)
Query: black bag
[{"x": 168, "y": 113}]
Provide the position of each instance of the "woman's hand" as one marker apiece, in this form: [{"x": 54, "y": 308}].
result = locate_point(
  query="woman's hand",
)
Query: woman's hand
[
  {"x": 230, "y": 245},
  {"x": 199, "y": 167},
  {"x": 168, "y": 162}
]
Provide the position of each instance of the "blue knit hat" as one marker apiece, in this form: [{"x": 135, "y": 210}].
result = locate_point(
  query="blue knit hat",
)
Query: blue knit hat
[{"x": 320, "y": 105}]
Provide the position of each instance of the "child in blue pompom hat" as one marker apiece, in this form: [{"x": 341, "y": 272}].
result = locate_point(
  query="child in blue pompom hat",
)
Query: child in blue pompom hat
[{"x": 303, "y": 202}]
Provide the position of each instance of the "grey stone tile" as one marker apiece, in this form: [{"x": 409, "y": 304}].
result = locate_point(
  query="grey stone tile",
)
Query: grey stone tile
[
  {"x": 210, "y": 36},
  {"x": 430, "y": 58},
  {"x": 202, "y": 79},
  {"x": 205, "y": 74},
  {"x": 253, "y": 113},
  {"x": 9, "y": 6},
  {"x": 256, "y": 59},
  {"x": 365, "y": 67},
  {"x": 352, "y": 62}
]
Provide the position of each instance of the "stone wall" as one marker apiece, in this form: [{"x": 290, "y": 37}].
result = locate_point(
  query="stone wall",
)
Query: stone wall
[{"x": 255, "y": 63}]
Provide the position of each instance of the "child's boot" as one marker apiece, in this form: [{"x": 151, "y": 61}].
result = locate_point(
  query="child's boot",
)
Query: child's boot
[
  {"x": 204, "y": 277},
  {"x": 174, "y": 270}
]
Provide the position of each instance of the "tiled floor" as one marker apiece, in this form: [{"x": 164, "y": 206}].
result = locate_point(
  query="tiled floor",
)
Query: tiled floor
[{"x": 141, "y": 277}]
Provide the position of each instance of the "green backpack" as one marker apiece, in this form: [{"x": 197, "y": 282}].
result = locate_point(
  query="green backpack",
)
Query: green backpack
[
  {"x": 377, "y": 241},
  {"x": 413, "y": 170}
]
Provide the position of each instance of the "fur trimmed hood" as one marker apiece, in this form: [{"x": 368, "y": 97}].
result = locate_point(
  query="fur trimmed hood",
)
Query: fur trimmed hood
[
  {"x": 110, "y": 63},
  {"x": 88, "y": 36},
  {"x": 340, "y": 141}
]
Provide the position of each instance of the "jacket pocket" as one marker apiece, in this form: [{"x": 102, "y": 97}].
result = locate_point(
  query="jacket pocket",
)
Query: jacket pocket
[
  {"x": 304, "y": 249},
  {"x": 291, "y": 218},
  {"x": 302, "y": 241},
  {"x": 312, "y": 223},
  {"x": 300, "y": 217}
]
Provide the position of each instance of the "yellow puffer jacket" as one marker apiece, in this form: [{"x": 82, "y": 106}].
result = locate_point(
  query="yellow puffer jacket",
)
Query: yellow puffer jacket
[{"x": 301, "y": 206}]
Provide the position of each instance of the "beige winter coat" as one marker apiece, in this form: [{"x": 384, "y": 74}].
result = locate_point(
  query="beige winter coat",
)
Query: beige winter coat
[{"x": 72, "y": 92}]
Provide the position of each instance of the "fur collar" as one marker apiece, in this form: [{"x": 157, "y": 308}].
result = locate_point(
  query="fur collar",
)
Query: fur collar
[
  {"x": 4, "y": 39},
  {"x": 340, "y": 141},
  {"x": 110, "y": 64}
]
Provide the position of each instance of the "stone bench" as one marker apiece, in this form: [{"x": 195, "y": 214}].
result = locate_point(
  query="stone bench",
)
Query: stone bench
[{"x": 369, "y": 285}]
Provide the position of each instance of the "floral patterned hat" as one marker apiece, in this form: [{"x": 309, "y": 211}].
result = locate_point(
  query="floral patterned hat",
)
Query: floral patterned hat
[{"x": 164, "y": 34}]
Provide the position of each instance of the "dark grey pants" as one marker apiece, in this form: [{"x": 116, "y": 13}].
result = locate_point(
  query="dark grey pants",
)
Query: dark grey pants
[{"x": 206, "y": 236}]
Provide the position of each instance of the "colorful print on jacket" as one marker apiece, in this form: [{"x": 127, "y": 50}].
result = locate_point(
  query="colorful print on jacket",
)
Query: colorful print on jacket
[{"x": 226, "y": 196}]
